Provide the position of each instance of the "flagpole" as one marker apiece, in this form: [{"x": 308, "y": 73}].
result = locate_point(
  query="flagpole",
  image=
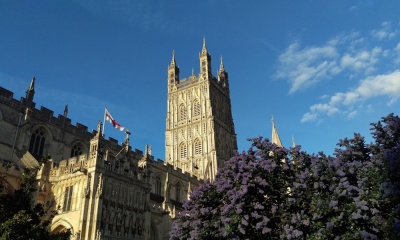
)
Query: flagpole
[{"x": 104, "y": 120}]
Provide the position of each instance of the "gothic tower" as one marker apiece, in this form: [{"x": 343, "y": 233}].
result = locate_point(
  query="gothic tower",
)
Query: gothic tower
[{"x": 200, "y": 134}]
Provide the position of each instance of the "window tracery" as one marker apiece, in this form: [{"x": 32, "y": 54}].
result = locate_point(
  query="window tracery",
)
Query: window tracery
[
  {"x": 76, "y": 150},
  {"x": 36, "y": 144},
  {"x": 183, "y": 150}
]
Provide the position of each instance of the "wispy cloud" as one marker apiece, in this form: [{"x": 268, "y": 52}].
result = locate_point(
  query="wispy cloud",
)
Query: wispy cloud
[
  {"x": 350, "y": 103},
  {"x": 373, "y": 58},
  {"x": 385, "y": 32},
  {"x": 397, "y": 54},
  {"x": 305, "y": 67}
]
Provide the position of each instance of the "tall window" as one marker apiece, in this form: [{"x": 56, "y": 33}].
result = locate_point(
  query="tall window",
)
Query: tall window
[
  {"x": 182, "y": 112},
  {"x": 158, "y": 185},
  {"x": 178, "y": 192},
  {"x": 196, "y": 108},
  {"x": 67, "y": 198},
  {"x": 197, "y": 147},
  {"x": 76, "y": 150},
  {"x": 37, "y": 142},
  {"x": 183, "y": 150}
]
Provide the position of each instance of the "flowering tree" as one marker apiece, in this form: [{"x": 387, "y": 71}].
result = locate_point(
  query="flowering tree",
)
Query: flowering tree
[
  {"x": 272, "y": 192},
  {"x": 246, "y": 198}
]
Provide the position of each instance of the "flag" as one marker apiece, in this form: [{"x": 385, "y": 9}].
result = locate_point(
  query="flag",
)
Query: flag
[{"x": 110, "y": 119}]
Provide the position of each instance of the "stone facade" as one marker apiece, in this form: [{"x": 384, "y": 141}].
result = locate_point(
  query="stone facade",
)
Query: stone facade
[
  {"x": 200, "y": 133},
  {"x": 105, "y": 190}
]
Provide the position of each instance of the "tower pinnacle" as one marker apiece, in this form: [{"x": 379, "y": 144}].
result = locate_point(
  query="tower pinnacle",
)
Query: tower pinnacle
[
  {"x": 221, "y": 66},
  {"x": 173, "y": 58},
  {"x": 31, "y": 91},
  {"x": 204, "y": 50}
]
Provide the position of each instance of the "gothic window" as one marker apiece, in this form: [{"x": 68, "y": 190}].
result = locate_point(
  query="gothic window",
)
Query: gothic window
[
  {"x": 196, "y": 108},
  {"x": 67, "y": 198},
  {"x": 183, "y": 150},
  {"x": 37, "y": 142},
  {"x": 182, "y": 112},
  {"x": 197, "y": 147},
  {"x": 76, "y": 150},
  {"x": 178, "y": 192},
  {"x": 158, "y": 186}
]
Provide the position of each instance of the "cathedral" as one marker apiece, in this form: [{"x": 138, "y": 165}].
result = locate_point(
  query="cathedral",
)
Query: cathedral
[{"x": 102, "y": 189}]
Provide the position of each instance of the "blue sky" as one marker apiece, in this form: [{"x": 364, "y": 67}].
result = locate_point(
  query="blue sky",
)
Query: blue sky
[{"x": 322, "y": 69}]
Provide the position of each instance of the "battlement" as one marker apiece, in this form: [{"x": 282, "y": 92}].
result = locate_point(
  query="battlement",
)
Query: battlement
[
  {"x": 184, "y": 82},
  {"x": 43, "y": 114},
  {"x": 6, "y": 93},
  {"x": 167, "y": 167}
]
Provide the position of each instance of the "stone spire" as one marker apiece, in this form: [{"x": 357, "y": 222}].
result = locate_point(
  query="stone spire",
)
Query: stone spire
[
  {"x": 275, "y": 137},
  {"x": 30, "y": 93}
]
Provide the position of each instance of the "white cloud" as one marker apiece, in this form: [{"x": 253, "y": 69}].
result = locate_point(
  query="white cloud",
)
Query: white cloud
[
  {"x": 309, "y": 117},
  {"x": 305, "y": 67},
  {"x": 361, "y": 61},
  {"x": 349, "y": 103},
  {"x": 385, "y": 32},
  {"x": 397, "y": 54}
]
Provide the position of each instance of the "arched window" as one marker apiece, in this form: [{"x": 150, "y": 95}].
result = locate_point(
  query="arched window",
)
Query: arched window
[
  {"x": 196, "y": 108},
  {"x": 76, "y": 150},
  {"x": 158, "y": 186},
  {"x": 178, "y": 192},
  {"x": 37, "y": 142},
  {"x": 183, "y": 150},
  {"x": 182, "y": 112},
  {"x": 197, "y": 147},
  {"x": 68, "y": 198}
]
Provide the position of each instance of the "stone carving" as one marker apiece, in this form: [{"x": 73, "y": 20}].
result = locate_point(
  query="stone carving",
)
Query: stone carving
[
  {"x": 132, "y": 224},
  {"x": 111, "y": 219},
  {"x": 87, "y": 187},
  {"x": 100, "y": 186},
  {"x": 98, "y": 235},
  {"x": 103, "y": 216},
  {"x": 118, "y": 221},
  {"x": 126, "y": 222},
  {"x": 140, "y": 224}
]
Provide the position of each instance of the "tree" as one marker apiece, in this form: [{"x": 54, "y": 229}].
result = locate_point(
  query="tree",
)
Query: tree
[
  {"x": 272, "y": 192},
  {"x": 20, "y": 218},
  {"x": 387, "y": 148}
]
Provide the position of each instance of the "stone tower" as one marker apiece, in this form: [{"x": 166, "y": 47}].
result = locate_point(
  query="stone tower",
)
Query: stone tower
[{"x": 200, "y": 134}]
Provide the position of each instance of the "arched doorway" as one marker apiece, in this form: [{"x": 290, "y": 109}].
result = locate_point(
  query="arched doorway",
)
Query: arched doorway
[
  {"x": 60, "y": 229},
  {"x": 60, "y": 226}
]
